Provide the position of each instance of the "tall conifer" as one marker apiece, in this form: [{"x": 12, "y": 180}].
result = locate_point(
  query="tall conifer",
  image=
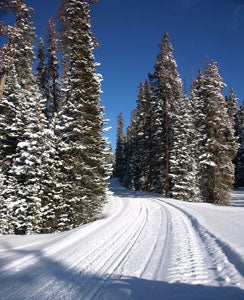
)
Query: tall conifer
[
  {"x": 119, "y": 167},
  {"x": 81, "y": 123},
  {"x": 169, "y": 96},
  {"x": 217, "y": 169}
]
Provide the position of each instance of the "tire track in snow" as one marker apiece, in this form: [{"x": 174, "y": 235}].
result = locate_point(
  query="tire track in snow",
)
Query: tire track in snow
[
  {"x": 209, "y": 250},
  {"x": 52, "y": 246},
  {"x": 99, "y": 262},
  {"x": 188, "y": 259},
  {"x": 60, "y": 252},
  {"x": 148, "y": 263},
  {"x": 109, "y": 269},
  {"x": 144, "y": 238}
]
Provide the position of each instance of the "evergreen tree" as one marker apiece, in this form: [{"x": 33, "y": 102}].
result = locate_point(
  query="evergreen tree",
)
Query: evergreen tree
[
  {"x": 139, "y": 167},
  {"x": 182, "y": 161},
  {"x": 42, "y": 69},
  {"x": 22, "y": 131},
  {"x": 217, "y": 170},
  {"x": 198, "y": 138},
  {"x": 232, "y": 104},
  {"x": 240, "y": 154},
  {"x": 11, "y": 130},
  {"x": 119, "y": 167},
  {"x": 133, "y": 164},
  {"x": 53, "y": 85},
  {"x": 23, "y": 41},
  {"x": 169, "y": 93},
  {"x": 146, "y": 105},
  {"x": 23, "y": 184},
  {"x": 81, "y": 123}
]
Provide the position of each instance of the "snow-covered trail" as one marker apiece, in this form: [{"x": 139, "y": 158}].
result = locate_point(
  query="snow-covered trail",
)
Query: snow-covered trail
[{"x": 143, "y": 247}]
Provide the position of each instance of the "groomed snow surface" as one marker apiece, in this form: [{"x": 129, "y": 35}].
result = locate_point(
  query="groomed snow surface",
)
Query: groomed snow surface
[{"x": 144, "y": 247}]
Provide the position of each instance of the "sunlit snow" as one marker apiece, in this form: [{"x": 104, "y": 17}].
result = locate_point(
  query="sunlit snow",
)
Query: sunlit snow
[{"x": 143, "y": 247}]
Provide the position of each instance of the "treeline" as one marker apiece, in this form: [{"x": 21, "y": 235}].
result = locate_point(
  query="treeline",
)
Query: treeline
[
  {"x": 53, "y": 157},
  {"x": 187, "y": 147}
]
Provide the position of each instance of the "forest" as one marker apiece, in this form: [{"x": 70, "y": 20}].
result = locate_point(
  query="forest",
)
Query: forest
[
  {"x": 189, "y": 146},
  {"x": 54, "y": 155}
]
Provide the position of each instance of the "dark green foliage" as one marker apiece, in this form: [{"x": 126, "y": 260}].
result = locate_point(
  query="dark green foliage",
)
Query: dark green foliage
[
  {"x": 119, "y": 166},
  {"x": 240, "y": 154},
  {"x": 54, "y": 159},
  {"x": 178, "y": 146},
  {"x": 83, "y": 149},
  {"x": 150, "y": 135}
]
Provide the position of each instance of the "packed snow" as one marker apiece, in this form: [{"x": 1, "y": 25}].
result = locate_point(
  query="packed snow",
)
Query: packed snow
[{"x": 143, "y": 247}]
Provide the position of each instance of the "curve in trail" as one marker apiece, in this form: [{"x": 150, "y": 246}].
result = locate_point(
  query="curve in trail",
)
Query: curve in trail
[
  {"x": 110, "y": 239},
  {"x": 187, "y": 256},
  {"x": 139, "y": 237},
  {"x": 209, "y": 257}
]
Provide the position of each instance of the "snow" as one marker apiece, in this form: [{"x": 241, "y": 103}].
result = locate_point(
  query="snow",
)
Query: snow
[{"x": 143, "y": 247}]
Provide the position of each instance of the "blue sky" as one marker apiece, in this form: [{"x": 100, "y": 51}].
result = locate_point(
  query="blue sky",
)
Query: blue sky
[{"x": 129, "y": 32}]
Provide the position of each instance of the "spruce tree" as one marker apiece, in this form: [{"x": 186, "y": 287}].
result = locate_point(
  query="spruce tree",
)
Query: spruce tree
[
  {"x": 23, "y": 152},
  {"x": 42, "y": 69},
  {"x": 119, "y": 167},
  {"x": 198, "y": 137},
  {"x": 53, "y": 84},
  {"x": 81, "y": 122},
  {"x": 24, "y": 184},
  {"x": 11, "y": 131},
  {"x": 169, "y": 93},
  {"x": 217, "y": 169},
  {"x": 146, "y": 105},
  {"x": 240, "y": 154},
  {"x": 232, "y": 104},
  {"x": 182, "y": 170},
  {"x": 232, "y": 108}
]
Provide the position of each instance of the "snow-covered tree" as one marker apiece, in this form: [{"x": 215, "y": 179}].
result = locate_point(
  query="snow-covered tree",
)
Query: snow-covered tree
[
  {"x": 119, "y": 166},
  {"x": 53, "y": 84},
  {"x": 169, "y": 93},
  {"x": 81, "y": 123},
  {"x": 232, "y": 104},
  {"x": 240, "y": 154},
  {"x": 182, "y": 161},
  {"x": 11, "y": 130},
  {"x": 146, "y": 106},
  {"x": 219, "y": 143},
  {"x": 198, "y": 137},
  {"x": 42, "y": 76}
]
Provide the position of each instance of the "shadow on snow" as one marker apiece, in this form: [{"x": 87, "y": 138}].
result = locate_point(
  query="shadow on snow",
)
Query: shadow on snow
[{"x": 50, "y": 279}]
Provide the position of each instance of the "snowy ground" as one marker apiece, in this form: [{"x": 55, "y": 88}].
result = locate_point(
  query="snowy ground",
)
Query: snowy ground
[{"x": 143, "y": 248}]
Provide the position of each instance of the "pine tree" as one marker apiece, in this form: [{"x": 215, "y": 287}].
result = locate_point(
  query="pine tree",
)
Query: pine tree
[
  {"x": 169, "y": 95},
  {"x": 7, "y": 52},
  {"x": 23, "y": 43},
  {"x": 217, "y": 170},
  {"x": 42, "y": 69},
  {"x": 24, "y": 186},
  {"x": 119, "y": 167},
  {"x": 232, "y": 104},
  {"x": 11, "y": 129},
  {"x": 240, "y": 154},
  {"x": 146, "y": 105},
  {"x": 182, "y": 171},
  {"x": 81, "y": 123},
  {"x": 198, "y": 137},
  {"x": 23, "y": 133},
  {"x": 53, "y": 85},
  {"x": 140, "y": 141}
]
